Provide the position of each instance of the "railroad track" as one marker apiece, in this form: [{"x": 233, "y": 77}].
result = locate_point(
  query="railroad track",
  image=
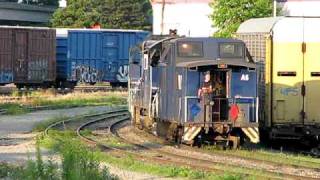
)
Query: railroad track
[
  {"x": 111, "y": 121},
  {"x": 275, "y": 167},
  {"x": 98, "y": 89},
  {"x": 81, "y": 123},
  {"x": 155, "y": 157},
  {"x": 3, "y": 111},
  {"x": 75, "y": 122}
]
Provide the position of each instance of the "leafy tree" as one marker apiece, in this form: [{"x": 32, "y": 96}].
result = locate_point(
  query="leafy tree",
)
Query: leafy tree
[
  {"x": 78, "y": 13},
  {"x": 124, "y": 14},
  {"x": 42, "y": 2},
  {"x": 229, "y": 14}
]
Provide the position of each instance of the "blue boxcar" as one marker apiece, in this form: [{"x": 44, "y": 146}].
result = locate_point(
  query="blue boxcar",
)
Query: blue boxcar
[
  {"x": 62, "y": 60},
  {"x": 91, "y": 56}
]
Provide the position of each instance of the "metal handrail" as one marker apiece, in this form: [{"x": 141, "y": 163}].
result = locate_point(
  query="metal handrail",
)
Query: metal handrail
[{"x": 233, "y": 100}]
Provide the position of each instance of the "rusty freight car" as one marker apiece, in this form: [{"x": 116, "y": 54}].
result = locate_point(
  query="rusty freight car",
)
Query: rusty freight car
[{"x": 27, "y": 56}]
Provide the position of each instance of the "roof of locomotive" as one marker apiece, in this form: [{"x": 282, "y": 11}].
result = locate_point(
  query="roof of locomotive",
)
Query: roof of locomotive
[
  {"x": 208, "y": 62},
  {"x": 211, "y": 55},
  {"x": 206, "y": 39},
  {"x": 210, "y": 49}
]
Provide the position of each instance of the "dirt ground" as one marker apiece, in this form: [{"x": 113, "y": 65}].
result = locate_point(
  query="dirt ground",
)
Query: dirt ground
[{"x": 17, "y": 142}]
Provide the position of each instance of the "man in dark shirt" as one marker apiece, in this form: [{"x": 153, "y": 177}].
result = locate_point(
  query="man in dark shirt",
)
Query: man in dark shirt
[{"x": 205, "y": 95}]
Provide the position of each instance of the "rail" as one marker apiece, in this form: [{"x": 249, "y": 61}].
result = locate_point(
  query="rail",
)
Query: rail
[{"x": 73, "y": 119}]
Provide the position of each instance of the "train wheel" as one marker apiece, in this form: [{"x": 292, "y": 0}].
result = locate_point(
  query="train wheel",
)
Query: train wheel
[
  {"x": 136, "y": 120},
  {"x": 19, "y": 86},
  {"x": 235, "y": 142},
  {"x": 178, "y": 136},
  {"x": 114, "y": 84},
  {"x": 315, "y": 151}
]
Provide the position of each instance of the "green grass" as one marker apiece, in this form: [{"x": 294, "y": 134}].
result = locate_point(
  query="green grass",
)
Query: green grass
[
  {"x": 67, "y": 141},
  {"x": 77, "y": 164},
  {"x": 5, "y": 170},
  {"x": 129, "y": 163},
  {"x": 110, "y": 141},
  {"x": 64, "y": 101},
  {"x": 14, "y": 109},
  {"x": 41, "y": 126},
  {"x": 270, "y": 156}
]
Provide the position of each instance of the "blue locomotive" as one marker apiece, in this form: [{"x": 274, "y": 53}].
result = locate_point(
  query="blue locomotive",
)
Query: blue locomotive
[{"x": 195, "y": 90}]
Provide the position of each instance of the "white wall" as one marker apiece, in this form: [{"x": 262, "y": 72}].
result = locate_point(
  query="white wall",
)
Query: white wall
[
  {"x": 190, "y": 19},
  {"x": 302, "y": 8},
  {"x": 62, "y": 3}
]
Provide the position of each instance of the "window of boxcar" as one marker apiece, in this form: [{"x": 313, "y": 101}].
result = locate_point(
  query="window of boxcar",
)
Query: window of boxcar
[
  {"x": 190, "y": 49},
  {"x": 231, "y": 50}
]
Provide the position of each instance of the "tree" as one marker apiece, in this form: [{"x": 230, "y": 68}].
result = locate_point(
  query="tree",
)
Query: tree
[
  {"x": 42, "y": 2},
  {"x": 121, "y": 14},
  {"x": 78, "y": 13},
  {"x": 229, "y": 14},
  {"x": 125, "y": 14}
]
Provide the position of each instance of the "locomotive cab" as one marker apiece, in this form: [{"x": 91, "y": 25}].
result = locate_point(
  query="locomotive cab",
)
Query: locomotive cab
[
  {"x": 226, "y": 104},
  {"x": 195, "y": 90}
]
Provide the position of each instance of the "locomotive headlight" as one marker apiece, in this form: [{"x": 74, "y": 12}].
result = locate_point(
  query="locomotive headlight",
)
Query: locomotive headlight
[{"x": 185, "y": 46}]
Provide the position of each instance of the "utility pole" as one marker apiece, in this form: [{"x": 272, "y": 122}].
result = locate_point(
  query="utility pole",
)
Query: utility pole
[
  {"x": 162, "y": 16},
  {"x": 274, "y": 8}
]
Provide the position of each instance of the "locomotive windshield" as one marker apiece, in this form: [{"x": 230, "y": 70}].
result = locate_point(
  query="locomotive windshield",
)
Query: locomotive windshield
[
  {"x": 231, "y": 50},
  {"x": 190, "y": 49}
]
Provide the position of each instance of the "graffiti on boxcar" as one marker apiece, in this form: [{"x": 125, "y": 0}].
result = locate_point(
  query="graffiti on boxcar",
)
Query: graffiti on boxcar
[
  {"x": 38, "y": 69},
  {"x": 87, "y": 74},
  {"x": 6, "y": 76},
  {"x": 122, "y": 74},
  {"x": 289, "y": 91}
]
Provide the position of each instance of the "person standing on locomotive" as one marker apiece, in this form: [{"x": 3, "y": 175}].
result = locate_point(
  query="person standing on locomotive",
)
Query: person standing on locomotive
[
  {"x": 205, "y": 95},
  {"x": 210, "y": 88}
]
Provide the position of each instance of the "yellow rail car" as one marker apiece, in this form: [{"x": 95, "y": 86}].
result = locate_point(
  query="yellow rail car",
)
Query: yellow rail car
[{"x": 288, "y": 51}]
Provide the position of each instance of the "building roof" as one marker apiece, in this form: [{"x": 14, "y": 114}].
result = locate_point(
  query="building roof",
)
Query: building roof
[
  {"x": 23, "y": 27},
  {"x": 180, "y": 1},
  {"x": 258, "y": 25},
  {"x": 26, "y": 7},
  {"x": 63, "y": 32}
]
